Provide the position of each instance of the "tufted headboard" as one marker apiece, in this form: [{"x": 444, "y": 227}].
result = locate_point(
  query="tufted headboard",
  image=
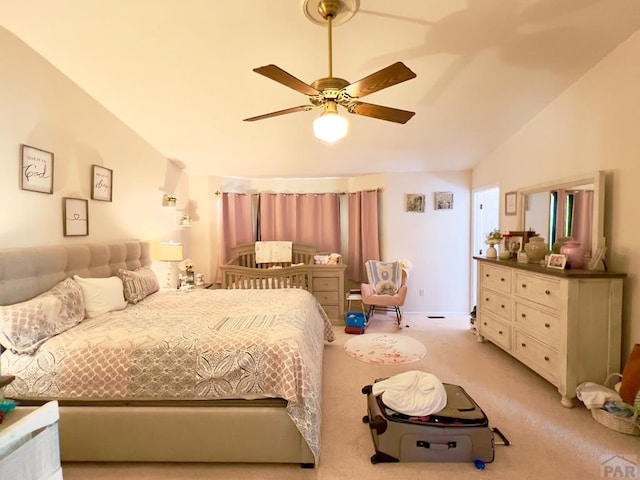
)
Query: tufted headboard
[{"x": 27, "y": 272}]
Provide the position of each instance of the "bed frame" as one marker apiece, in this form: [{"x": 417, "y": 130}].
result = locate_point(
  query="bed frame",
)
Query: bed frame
[
  {"x": 212, "y": 431},
  {"x": 243, "y": 271}
]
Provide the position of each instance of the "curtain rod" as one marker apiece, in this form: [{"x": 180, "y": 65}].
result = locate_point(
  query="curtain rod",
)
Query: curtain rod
[{"x": 218, "y": 192}]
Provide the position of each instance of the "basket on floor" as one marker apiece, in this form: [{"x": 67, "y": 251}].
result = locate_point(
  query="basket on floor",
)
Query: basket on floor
[{"x": 627, "y": 425}]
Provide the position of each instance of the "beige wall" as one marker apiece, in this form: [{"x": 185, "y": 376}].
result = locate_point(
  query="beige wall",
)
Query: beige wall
[{"x": 592, "y": 126}]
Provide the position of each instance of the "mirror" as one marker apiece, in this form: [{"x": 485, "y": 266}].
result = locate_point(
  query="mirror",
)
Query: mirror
[{"x": 571, "y": 207}]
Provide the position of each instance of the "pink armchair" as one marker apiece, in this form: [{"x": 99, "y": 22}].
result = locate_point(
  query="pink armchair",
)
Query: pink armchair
[{"x": 384, "y": 301}]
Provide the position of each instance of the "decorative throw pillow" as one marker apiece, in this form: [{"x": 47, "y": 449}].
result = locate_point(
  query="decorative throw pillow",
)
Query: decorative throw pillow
[
  {"x": 138, "y": 284},
  {"x": 70, "y": 295},
  {"x": 101, "y": 295},
  {"x": 630, "y": 386},
  {"x": 384, "y": 277},
  {"x": 25, "y": 326}
]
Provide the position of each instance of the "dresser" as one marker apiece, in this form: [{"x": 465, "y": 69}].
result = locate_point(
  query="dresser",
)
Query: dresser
[
  {"x": 327, "y": 285},
  {"x": 566, "y": 325}
]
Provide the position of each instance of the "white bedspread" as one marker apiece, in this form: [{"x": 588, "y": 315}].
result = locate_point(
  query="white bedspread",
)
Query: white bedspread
[{"x": 189, "y": 345}]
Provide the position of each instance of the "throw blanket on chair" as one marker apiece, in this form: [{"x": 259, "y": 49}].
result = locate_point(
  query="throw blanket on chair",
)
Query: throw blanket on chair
[{"x": 274, "y": 251}]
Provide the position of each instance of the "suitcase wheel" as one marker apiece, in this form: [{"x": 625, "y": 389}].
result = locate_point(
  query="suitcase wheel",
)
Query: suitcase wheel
[
  {"x": 375, "y": 459},
  {"x": 366, "y": 390},
  {"x": 365, "y": 419}
]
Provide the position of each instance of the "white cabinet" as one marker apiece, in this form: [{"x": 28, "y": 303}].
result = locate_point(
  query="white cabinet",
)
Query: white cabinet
[{"x": 564, "y": 325}]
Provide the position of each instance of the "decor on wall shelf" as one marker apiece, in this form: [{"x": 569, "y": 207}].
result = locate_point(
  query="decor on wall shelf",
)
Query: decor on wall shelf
[
  {"x": 36, "y": 169},
  {"x": 444, "y": 200},
  {"x": 415, "y": 202},
  {"x": 101, "y": 183},
  {"x": 75, "y": 217},
  {"x": 169, "y": 201},
  {"x": 511, "y": 203}
]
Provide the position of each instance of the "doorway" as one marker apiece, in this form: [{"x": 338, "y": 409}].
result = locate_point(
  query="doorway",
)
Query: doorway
[{"x": 485, "y": 218}]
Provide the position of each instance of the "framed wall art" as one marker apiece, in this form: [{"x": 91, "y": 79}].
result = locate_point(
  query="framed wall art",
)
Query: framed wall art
[
  {"x": 75, "y": 217},
  {"x": 443, "y": 201},
  {"x": 101, "y": 183},
  {"x": 415, "y": 202},
  {"x": 36, "y": 169},
  {"x": 511, "y": 203}
]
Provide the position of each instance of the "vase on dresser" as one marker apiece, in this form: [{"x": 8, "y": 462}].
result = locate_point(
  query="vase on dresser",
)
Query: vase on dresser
[
  {"x": 535, "y": 249},
  {"x": 574, "y": 251},
  {"x": 492, "y": 252}
]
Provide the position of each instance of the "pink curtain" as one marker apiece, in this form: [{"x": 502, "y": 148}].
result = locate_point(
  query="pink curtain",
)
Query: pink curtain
[
  {"x": 364, "y": 242},
  {"x": 582, "y": 219},
  {"x": 308, "y": 219},
  {"x": 236, "y": 225}
]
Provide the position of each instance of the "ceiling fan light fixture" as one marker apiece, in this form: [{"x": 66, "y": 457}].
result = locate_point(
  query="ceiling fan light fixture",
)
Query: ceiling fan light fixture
[{"x": 330, "y": 126}]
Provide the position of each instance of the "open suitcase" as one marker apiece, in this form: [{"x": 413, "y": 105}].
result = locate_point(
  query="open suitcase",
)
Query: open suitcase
[{"x": 458, "y": 433}]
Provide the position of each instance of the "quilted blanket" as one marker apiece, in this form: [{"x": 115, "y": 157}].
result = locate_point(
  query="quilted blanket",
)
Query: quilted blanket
[{"x": 189, "y": 345}]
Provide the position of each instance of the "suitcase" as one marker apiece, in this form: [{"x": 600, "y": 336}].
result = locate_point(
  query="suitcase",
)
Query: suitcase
[{"x": 458, "y": 433}]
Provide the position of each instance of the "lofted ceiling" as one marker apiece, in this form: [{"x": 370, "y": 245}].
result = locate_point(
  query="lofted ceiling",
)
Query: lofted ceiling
[{"x": 179, "y": 73}]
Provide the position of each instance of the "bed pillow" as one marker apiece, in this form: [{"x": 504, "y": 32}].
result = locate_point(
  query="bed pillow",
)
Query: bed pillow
[
  {"x": 138, "y": 284},
  {"x": 384, "y": 277},
  {"x": 101, "y": 295},
  {"x": 25, "y": 326}
]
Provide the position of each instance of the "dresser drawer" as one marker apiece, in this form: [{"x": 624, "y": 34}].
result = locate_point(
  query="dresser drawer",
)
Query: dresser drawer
[
  {"x": 327, "y": 298},
  {"x": 495, "y": 277},
  {"x": 326, "y": 284},
  {"x": 496, "y": 303},
  {"x": 542, "y": 290},
  {"x": 538, "y": 323},
  {"x": 495, "y": 330},
  {"x": 333, "y": 312},
  {"x": 537, "y": 355}
]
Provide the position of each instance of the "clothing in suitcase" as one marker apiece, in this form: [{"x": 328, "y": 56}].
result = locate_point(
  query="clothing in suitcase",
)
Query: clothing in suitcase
[{"x": 458, "y": 433}]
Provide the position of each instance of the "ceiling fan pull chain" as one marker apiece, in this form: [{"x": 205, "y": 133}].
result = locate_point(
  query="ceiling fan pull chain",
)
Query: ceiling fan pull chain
[{"x": 329, "y": 18}]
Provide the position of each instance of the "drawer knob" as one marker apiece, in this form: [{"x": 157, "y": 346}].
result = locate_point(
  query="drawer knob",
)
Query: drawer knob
[
  {"x": 547, "y": 292},
  {"x": 523, "y": 344},
  {"x": 523, "y": 315},
  {"x": 486, "y": 275},
  {"x": 501, "y": 306},
  {"x": 524, "y": 285},
  {"x": 486, "y": 299},
  {"x": 547, "y": 325},
  {"x": 502, "y": 279},
  {"x": 500, "y": 332},
  {"x": 484, "y": 323},
  {"x": 546, "y": 358}
]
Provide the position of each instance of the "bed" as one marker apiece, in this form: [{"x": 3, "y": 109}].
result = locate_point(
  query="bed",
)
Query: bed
[{"x": 214, "y": 391}]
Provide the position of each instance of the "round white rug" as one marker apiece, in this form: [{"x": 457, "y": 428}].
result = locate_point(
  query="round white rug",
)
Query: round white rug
[{"x": 385, "y": 348}]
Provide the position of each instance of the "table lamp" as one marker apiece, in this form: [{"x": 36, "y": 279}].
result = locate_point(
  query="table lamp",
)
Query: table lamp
[{"x": 171, "y": 253}]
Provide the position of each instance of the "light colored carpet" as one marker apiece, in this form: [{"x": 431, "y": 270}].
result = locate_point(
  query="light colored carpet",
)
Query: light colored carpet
[
  {"x": 385, "y": 348},
  {"x": 548, "y": 440}
]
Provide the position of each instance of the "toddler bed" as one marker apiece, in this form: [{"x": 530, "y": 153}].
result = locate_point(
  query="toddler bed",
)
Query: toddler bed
[{"x": 198, "y": 376}]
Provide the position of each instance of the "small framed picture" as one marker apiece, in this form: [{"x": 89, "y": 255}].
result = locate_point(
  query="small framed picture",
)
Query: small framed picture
[
  {"x": 101, "y": 183},
  {"x": 515, "y": 245},
  {"x": 443, "y": 201},
  {"x": 36, "y": 169},
  {"x": 75, "y": 217},
  {"x": 511, "y": 203},
  {"x": 415, "y": 202},
  {"x": 557, "y": 261}
]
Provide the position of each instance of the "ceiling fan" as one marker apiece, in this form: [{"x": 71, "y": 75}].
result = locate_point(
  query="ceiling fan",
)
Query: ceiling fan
[{"x": 330, "y": 92}]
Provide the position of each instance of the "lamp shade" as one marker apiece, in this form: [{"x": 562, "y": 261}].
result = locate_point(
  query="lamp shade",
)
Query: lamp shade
[
  {"x": 330, "y": 127},
  {"x": 170, "y": 252}
]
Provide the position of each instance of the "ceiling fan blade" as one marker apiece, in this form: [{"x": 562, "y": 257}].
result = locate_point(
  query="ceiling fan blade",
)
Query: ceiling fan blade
[
  {"x": 380, "y": 112},
  {"x": 387, "y": 77},
  {"x": 276, "y": 73},
  {"x": 301, "y": 108}
]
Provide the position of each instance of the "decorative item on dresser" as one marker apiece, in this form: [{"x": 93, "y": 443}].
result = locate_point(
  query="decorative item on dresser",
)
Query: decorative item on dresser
[{"x": 566, "y": 325}]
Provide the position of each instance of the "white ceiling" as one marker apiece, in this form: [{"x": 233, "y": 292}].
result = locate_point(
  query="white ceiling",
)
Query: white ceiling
[{"x": 179, "y": 72}]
